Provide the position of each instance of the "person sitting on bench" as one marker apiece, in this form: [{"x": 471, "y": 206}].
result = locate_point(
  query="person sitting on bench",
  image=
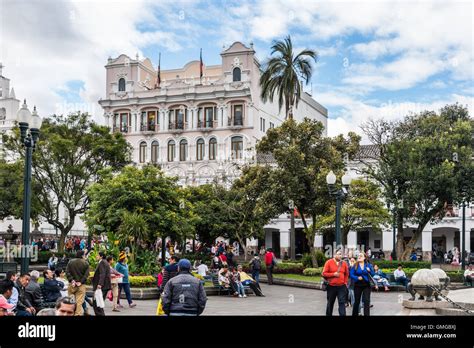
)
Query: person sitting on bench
[
  {"x": 380, "y": 278},
  {"x": 400, "y": 276},
  {"x": 249, "y": 281},
  {"x": 469, "y": 274},
  {"x": 225, "y": 279}
]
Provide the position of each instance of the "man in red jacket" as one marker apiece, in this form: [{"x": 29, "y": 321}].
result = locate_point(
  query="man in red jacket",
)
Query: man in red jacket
[
  {"x": 270, "y": 263},
  {"x": 336, "y": 272}
]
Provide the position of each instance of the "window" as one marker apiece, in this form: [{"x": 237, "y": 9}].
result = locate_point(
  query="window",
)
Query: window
[
  {"x": 209, "y": 117},
  {"x": 271, "y": 125},
  {"x": 199, "y": 149},
  {"x": 178, "y": 118},
  {"x": 142, "y": 155},
  {"x": 183, "y": 150},
  {"x": 121, "y": 85},
  {"x": 124, "y": 122},
  {"x": 237, "y": 111},
  {"x": 171, "y": 150},
  {"x": 154, "y": 152},
  {"x": 236, "y": 74},
  {"x": 212, "y": 149},
  {"x": 151, "y": 120},
  {"x": 262, "y": 124},
  {"x": 237, "y": 146},
  {"x": 376, "y": 243}
]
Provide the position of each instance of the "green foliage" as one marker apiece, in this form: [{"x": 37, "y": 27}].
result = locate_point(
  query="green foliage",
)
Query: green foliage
[
  {"x": 304, "y": 156},
  {"x": 282, "y": 74},
  {"x": 405, "y": 264},
  {"x": 72, "y": 152},
  {"x": 142, "y": 281},
  {"x": 363, "y": 208},
  {"x": 126, "y": 202},
  {"x": 145, "y": 263},
  {"x": 417, "y": 168},
  {"x": 313, "y": 271}
]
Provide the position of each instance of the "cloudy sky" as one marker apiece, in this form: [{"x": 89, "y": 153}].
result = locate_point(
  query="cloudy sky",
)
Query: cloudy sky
[{"x": 376, "y": 58}]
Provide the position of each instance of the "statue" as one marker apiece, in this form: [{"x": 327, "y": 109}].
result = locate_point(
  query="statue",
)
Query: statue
[{"x": 428, "y": 283}]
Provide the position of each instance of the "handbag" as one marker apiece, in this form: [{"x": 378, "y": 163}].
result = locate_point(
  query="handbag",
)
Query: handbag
[
  {"x": 99, "y": 300},
  {"x": 110, "y": 296},
  {"x": 325, "y": 282}
]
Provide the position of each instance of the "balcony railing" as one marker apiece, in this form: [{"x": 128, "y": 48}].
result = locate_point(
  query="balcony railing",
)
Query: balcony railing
[
  {"x": 121, "y": 129},
  {"x": 177, "y": 126},
  {"x": 149, "y": 127},
  {"x": 205, "y": 124},
  {"x": 235, "y": 122}
]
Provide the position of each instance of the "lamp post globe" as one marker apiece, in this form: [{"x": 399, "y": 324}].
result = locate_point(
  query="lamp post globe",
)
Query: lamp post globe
[
  {"x": 24, "y": 115},
  {"x": 331, "y": 178},
  {"x": 346, "y": 179},
  {"x": 36, "y": 120}
]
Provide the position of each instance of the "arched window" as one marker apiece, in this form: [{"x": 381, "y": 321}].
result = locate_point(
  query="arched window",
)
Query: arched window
[
  {"x": 121, "y": 85},
  {"x": 171, "y": 150},
  {"x": 199, "y": 149},
  {"x": 154, "y": 152},
  {"x": 183, "y": 150},
  {"x": 212, "y": 149},
  {"x": 237, "y": 147},
  {"x": 142, "y": 155},
  {"x": 236, "y": 74}
]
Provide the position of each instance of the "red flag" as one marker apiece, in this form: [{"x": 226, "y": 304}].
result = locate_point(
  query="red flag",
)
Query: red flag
[
  {"x": 201, "y": 65},
  {"x": 158, "y": 77}
]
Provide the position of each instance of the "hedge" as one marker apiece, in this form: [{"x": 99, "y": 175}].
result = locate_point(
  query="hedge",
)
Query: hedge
[
  {"x": 43, "y": 257},
  {"x": 281, "y": 268},
  {"x": 405, "y": 264},
  {"x": 310, "y": 272}
]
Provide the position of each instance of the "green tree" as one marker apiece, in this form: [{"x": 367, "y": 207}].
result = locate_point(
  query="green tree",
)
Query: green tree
[
  {"x": 141, "y": 204},
  {"x": 283, "y": 75},
  {"x": 415, "y": 165},
  {"x": 72, "y": 152},
  {"x": 304, "y": 156},
  {"x": 363, "y": 208}
]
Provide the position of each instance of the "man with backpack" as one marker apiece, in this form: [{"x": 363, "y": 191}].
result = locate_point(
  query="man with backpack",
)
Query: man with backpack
[
  {"x": 336, "y": 274},
  {"x": 270, "y": 264},
  {"x": 255, "y": 267}
]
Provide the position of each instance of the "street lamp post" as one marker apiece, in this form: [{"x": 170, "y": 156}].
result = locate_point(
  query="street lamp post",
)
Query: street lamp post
[
  {"x": 463, "y": 231},
  {"x": 340, "y": 195},
  {"x": 29, "y": 140},
  {"x": 394, "y": 231},
  {"x": 291, "y": 206}
]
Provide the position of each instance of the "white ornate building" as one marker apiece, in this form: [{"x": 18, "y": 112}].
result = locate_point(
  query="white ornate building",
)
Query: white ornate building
[
  {"x": 195, "y": 128},
  {"x": 9, "y": 105}
]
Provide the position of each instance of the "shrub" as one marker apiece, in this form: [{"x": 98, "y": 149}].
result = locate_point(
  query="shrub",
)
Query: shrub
[
  {"x": 313, "y": 271},
  {"x": 142, "y": 281},
  {"x": 307, "y": 261},
  {"x": 405, "y": 264}
]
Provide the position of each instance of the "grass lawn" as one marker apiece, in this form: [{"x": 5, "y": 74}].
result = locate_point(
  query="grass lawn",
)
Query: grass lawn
[{"x": 314, "y": 279}]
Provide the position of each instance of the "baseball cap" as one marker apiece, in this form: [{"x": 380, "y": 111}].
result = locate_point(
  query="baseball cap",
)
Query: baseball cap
[{"x": 4, "y": 303}]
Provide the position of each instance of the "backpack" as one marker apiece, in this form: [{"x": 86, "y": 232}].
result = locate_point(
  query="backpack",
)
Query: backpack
[{"x": 256, "y": 265}]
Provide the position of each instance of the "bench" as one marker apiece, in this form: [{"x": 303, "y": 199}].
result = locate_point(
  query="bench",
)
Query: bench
[
  {"x": 7, "y": 267},
  {"x": 393, "y": 284},
  {"x": 220, "y": 288}
]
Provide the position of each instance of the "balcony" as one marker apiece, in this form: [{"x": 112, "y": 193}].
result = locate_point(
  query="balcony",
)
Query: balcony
[
  {"x": 177, "y": 127},
  {"x": 149, "y": 128},
  {"x": 209, "y": 124},
  {"x": 120, "y": 129},
  {"x": 235, "y": 123}
]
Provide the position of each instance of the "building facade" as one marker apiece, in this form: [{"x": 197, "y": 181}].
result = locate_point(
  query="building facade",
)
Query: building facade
[{"x": 196, "y": 128}]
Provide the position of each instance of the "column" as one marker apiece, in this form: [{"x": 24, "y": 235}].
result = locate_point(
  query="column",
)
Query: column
[
  {"x": 220, "y": 115},
  {"x": 318, "y": 241},
  {"x": 426, "y": 245},
  {"x": 166, "y": 119},
  {"x": 352, "y": 240},
  {"x": 387, "y": 243},
  {"x": 195, "y": 117},
  {"x": 284, "y": 244},
  {"x": 249, "y": 121}
]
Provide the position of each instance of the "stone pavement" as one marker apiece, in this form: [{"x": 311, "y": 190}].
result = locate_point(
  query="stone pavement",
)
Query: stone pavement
[{"x": 279, "y": 300}]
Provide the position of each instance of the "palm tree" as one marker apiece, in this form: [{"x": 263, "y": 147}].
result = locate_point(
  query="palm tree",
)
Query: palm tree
[
  {"x": 283, "y": 72},
  {"x": 133, "y": 229}
]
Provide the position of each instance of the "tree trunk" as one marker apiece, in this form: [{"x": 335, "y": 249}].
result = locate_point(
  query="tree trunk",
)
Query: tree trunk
[
  {"x": 62, "y": 239},
  {"x": 314, "y": 260},
  {"x": 400, "y": 240},
  {"x": 405, "y": 256}
]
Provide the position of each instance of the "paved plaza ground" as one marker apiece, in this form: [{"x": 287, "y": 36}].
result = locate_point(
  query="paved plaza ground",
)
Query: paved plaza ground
[{"x": 279, "y": 300}]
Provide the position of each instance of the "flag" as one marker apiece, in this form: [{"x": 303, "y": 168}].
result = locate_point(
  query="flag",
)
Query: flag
[
  {"x": 158, "y": 77},
  {"x": 200, "y": 67}
]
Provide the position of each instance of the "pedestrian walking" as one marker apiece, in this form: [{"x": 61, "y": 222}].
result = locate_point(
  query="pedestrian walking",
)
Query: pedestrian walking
[
  {"x": 255, "y": 267},
  {"x": 270, "y": 262},
  {"x": 101, "y": 281},
  {"x": 124, "y": 285}
]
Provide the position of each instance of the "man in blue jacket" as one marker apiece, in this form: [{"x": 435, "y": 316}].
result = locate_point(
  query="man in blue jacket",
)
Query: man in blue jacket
[
  {"x": 184, "y": 294},
  {"x": 52, "y": 287}
]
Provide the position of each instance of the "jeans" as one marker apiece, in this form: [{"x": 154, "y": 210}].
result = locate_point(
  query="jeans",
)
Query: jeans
[
  {"x": 240, "y": 288},
  {"x": 404, "y": 281},
  {"x": 20, "y": 313},
  {"x": 361, "y": 291},
  {"x": 126, "y": 288},
  {"x": 256, "y": 276},
  {"x": 339, "y": 292}
]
